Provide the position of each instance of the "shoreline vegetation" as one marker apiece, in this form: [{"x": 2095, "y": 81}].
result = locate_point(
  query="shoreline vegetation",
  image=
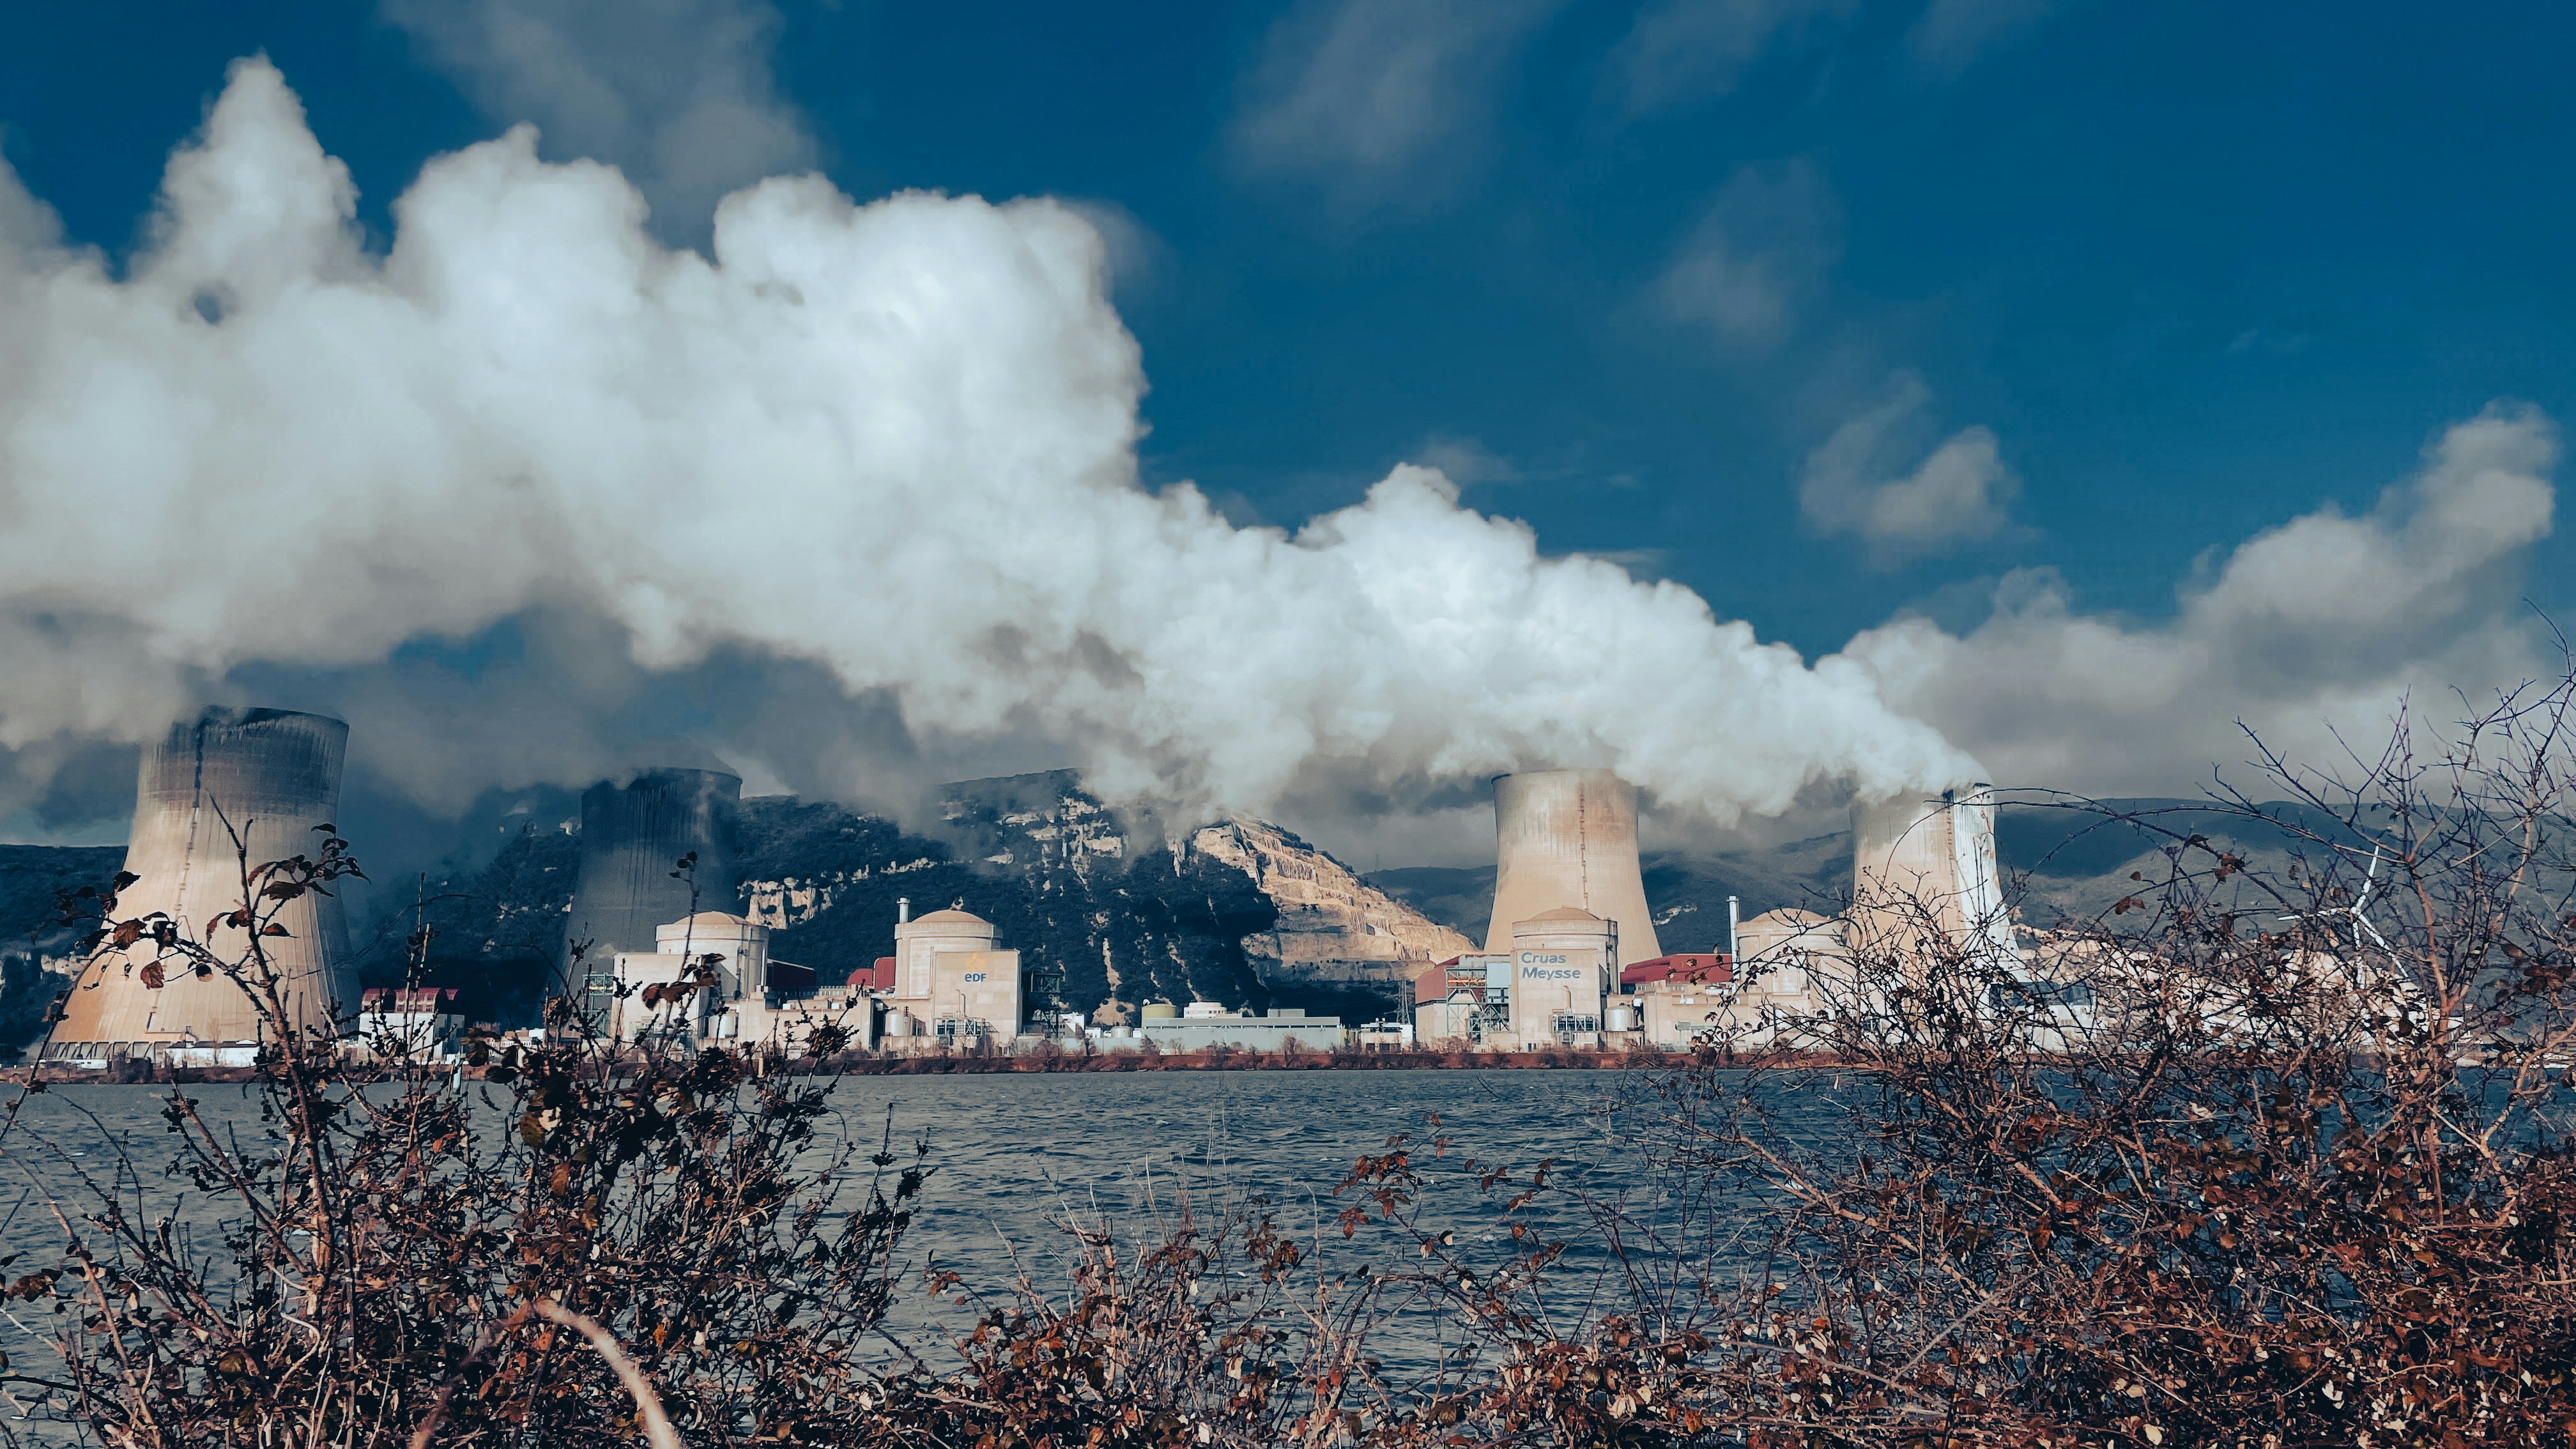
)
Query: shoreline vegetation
[{"x": 2300, "y": 1172}]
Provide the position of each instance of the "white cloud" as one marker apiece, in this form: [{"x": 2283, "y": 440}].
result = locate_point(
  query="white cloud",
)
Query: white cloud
[
  {"x": 1960, "y": 492},
  {"x": 2320, "y": 625},
  {"x": 1381, "y": 102},
  {"x": 857, "y": 468},
  {"x": 678, "y": 94},
  {"x": 1681, "y": 51},
  {"x": 1760, "y": 251},
  {"x": 1953, "y": 33}
]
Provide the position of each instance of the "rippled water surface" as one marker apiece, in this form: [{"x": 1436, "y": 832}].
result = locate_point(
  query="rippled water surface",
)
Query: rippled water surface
[
  {"x": 1015, "y": 1156},
  {"x": 1007, "y": 1148}
]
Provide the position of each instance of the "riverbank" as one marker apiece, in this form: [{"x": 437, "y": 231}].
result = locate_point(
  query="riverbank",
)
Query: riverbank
[{"x": 952, "y": 1063}]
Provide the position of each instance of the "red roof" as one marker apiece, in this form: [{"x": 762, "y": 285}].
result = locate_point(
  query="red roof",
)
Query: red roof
[
  {"x": 1692, "y": 970},
  {"x": 879, "y": 977}
]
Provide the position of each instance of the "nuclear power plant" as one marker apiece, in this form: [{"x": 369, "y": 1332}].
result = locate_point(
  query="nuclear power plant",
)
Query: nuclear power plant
[
  {"x": 1571, "y": 958},
  {"x": 633, "y": 836},
  {"x": 271, "y": 775}
]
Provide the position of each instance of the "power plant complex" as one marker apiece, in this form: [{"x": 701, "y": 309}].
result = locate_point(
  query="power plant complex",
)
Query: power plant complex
[
  {"x": 1571, "y": 957},
  {"x": 653, "y": 947}
]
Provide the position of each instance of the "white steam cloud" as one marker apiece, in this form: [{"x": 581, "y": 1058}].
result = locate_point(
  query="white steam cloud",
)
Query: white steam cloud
[
  {"x": 2312, "y": 633},
  {"x": 890, "y": 446}
]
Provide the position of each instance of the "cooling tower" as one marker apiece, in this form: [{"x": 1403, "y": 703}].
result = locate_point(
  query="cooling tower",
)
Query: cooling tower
[
  {"x": 1569, "y": 838},
  {"x": 632, "y": 838},
  {"x": 274, "y": 774},
  {"x": 1936, "y": 853}
]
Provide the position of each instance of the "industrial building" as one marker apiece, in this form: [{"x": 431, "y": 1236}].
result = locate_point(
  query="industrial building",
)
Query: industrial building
[
  {"x": 273, "y": 776},
  {"x": 409, "y": 1023},
  {"x": 633, "y": 836},
  {"x": 1563, "y": 962},
  {"x": 1205, "y": 1024},
  {"x": 1463, "y": 1000},
  {"x": 950, "y": 982},
  {"x": 756, "y": 999}
]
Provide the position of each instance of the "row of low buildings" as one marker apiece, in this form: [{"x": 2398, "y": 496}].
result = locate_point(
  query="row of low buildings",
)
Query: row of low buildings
[
  {"x": 1562, "y": 983},
  {"x": 711, "y": 981}
]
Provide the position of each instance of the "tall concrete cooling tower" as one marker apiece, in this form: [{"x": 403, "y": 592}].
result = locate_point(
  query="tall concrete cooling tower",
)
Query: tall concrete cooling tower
[
  {"x": 1569, "y": 838},
  {"x": 275, "y": 775},
  {"x": 632, "y": 835},
  {"x": 1936, "y": 854}
]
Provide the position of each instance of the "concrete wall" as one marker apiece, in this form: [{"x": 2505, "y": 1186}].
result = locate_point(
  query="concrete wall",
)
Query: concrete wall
[
  {"x": 1569, "y": 838},
  {"x": 918, "y": 943},
  {"x": 274, "y": 775},
  {"x": 743, "y": 943},
  {"x": 789, "y": 1026},
  {"x": 1450, "y": 1023}
]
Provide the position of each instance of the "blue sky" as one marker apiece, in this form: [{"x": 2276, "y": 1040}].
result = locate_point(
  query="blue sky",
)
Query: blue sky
[
  {"x": 1687, "y": 285},
  {"x": 2197, "y": 268}
]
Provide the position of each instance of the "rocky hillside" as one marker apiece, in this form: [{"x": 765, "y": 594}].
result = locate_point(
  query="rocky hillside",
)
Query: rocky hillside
[
  {"x": 1103, "y": 920},
  {"x": 1333, "y": 927}
]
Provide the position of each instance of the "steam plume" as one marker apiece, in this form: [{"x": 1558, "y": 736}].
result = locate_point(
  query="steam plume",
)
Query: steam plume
[{"x": 893, "y": 442}]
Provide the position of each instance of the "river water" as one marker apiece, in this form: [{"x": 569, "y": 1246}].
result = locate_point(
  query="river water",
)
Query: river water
[{"x": 1017, "y": 1156}]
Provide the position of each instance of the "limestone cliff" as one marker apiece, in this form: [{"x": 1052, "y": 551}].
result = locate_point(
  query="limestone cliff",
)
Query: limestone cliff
[{"x": 1333, "y": 926}]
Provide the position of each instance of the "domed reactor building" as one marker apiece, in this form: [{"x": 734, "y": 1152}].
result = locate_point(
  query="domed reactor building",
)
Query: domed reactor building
[{"x": 271, "y": 776}]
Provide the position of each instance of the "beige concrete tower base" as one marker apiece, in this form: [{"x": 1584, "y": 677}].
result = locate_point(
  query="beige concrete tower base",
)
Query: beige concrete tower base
[{"x": 274, "y": 775}]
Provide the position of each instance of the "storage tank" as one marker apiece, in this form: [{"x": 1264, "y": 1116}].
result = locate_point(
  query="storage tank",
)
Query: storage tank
[
  {"x": 1569, "y": 838},
  {"x": 273, "y": 775},
  {"x": 632, "y": 837},
  {"x": 1159, "y": 1011}
]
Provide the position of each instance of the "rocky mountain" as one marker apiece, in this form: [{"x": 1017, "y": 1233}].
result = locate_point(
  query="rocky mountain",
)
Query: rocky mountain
[
  {"x": 1334, "y": 927},
  {"x": 1104, "y": 916}
]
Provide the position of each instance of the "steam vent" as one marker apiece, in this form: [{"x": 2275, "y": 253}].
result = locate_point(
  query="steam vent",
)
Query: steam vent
[
  {"x": 1569, "y": 838},
  {"x": 632, "y": 837},
  {"x": 274, "y": 775}
]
